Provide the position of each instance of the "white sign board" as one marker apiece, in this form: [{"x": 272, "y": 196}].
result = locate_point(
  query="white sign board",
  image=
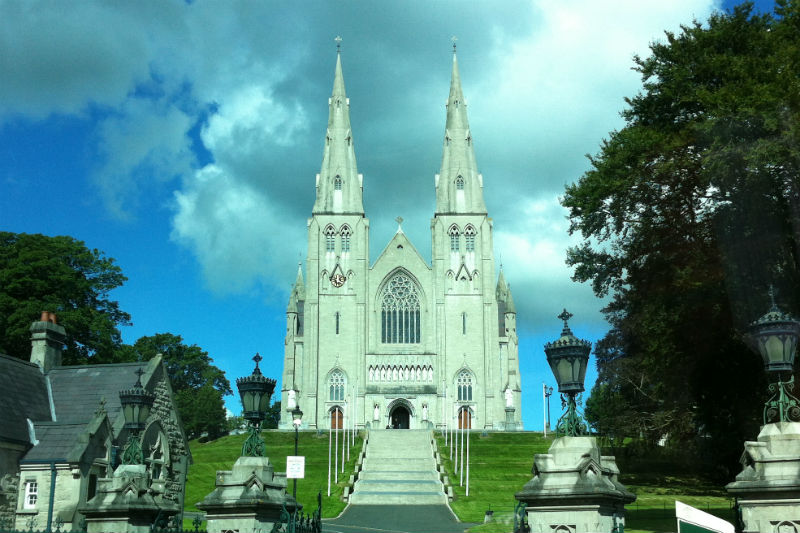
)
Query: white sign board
[
  {"x": 696, "y": 521},
  {"x": 295, "y": 467}
]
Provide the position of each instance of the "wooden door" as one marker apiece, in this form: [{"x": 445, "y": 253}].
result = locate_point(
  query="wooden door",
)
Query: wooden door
[
  {"x": 337, "y": 420},
  {"x": 464, "y": 419}
]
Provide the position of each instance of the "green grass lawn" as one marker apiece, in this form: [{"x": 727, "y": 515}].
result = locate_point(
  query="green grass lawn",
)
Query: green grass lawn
[
  {"x": 501, "y": 463},
  {"x": 222, "y": 453}
]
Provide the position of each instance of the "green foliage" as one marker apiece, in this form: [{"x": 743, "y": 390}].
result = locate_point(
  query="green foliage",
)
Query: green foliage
[
  {"x": 198, "y": 385},
  {"x": 688, "y": 214},
  {"x": 222, "y": 453},
  {"x": 59, "y": 274},
  {"x": 273, "y": 416}
]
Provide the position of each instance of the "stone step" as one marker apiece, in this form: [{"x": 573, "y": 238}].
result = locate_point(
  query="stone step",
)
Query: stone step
[
  {"x": 398, "y": 474},
  {"x": 398, "y": 469},
  {"x": 396, "y": 464},
  {"x": 400, "y": 498}
]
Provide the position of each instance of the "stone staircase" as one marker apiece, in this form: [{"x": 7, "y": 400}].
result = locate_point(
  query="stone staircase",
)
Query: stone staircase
[{"x": 399, "y": 468}]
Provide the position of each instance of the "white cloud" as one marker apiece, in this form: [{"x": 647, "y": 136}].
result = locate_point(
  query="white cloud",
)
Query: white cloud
[{"x": 144, "y": 141}]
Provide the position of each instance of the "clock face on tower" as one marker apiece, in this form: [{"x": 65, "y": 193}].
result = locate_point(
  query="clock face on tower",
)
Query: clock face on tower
[{"x": 337, "y": 280}]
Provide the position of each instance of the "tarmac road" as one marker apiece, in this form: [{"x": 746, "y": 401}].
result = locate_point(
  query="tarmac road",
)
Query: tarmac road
[{"x": 395, "y": 519}]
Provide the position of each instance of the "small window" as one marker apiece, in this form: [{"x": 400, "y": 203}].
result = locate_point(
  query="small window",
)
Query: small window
[
  {"x": 336, "y": 386},
  {"x": 454, "y": 245},
  {"x": 337, "y": 322},
  {"x": 337, "y": 183},
  {"x": 345, "y": 233},
  {"x": 469, "y": 237},
  {"x": 464, "y": 386},
  {"x": 330, "y": 239},
  {"x": 463, "y": 323},
  {"x": 460, "y": 183},
  {"x": 31, "y": 494},
  {"x": 91, "y": 488}
]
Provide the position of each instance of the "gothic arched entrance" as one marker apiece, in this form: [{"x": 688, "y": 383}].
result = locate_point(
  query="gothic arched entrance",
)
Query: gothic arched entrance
[
  {"x": 464, "y": 418},
  {"x": 400, "y": 418},
  {"x": 337, "y": 418}
]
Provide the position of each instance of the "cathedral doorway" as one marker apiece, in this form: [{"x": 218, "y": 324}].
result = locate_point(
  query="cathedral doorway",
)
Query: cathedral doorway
[
  {"x": 464, "y": 418},
  {"x": 336, "y": 418},
  {"x": 400, "y": 417}
]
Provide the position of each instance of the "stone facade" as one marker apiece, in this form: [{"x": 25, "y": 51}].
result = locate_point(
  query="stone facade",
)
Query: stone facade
[{"x": 385, "y": 343}]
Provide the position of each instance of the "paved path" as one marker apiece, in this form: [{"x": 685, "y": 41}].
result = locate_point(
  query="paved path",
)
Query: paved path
[{"x": 395, "y": 519}]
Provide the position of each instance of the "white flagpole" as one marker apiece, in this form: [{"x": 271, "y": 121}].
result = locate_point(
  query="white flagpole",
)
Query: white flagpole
[
  {"x": 470, "y": 427},
  {"x": 330, "y": 438},
  {"x": 444, "y": 413},
  {"x": 344, "y": 434},
  {"x": 336, "y": 451},
  {"x": 461, "y": 462},
  {"x": 455, "y": 434},
  {"x": 349, "y": 439},
  {"x": 451, "y": 440}
]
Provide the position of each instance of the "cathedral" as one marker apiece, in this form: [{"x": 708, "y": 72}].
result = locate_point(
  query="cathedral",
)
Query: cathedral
[{"x": 401, "y": 343}]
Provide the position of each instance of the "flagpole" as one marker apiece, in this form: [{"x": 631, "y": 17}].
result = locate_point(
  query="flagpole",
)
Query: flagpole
[
  {"x": 330, "y": 438},
  {"x": 461, "y": 463},
  {"x": 336, "y": 450},
  {"x": 470, "y": 427}
]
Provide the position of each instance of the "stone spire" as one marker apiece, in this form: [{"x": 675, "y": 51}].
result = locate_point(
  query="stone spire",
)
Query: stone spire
[
  {"x": 510, "y": 307},
  {"x": 501, "y": 292},
  {"x": 339, "y": 184},
  {"x": 299, "y": 290},
  {"x": 459, "y": 187}
]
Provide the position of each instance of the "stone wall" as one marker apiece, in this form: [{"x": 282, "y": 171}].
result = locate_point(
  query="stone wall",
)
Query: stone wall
[{"x": 163, "y": 411}]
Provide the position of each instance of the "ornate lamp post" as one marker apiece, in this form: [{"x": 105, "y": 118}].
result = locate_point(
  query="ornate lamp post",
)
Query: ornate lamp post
[
  {"x": 775, "y": 336},
  {"x": 568, "y": 357},
  {"x": 297, "y": 419},
  {"x": 136, "y": 403},
  {"x": 255, "y": 391}
]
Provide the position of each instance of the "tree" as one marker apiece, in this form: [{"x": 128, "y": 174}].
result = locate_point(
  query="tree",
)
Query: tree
[
  {"x": 688, "y": 214},
  {"x": 199, "y": 386},
  {"x": 60, "y": 274},
  {"x": 273, "y": 416}
]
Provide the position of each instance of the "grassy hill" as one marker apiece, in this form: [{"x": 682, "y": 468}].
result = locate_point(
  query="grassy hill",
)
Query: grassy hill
[
  {"x": 222, "y": 453},
  {"x": 501, "y": 463}
]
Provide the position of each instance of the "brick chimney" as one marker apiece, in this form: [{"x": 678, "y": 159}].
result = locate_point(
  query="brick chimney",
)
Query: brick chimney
[{"x": 47, "y": 341}]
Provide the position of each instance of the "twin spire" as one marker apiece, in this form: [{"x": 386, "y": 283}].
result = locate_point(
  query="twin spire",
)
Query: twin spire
[
  {"x": 459, "y": 186},
  {"x": 339, "y": 185}
]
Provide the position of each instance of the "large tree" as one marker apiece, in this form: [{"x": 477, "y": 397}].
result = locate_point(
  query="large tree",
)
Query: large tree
[
  {"x": 199, "y": 386},
  {"x": 60, "y": 274},
  {"x": 688, "y": 214}
]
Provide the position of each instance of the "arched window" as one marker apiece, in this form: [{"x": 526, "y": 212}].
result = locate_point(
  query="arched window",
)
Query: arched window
[
  {"x": 453, "y": 232},
  {"x": 464, "y": 386},
  {"x": 337, "y": 183},
  {"x": 330, "y": 239},
  {"x": 460, "y": 183},
  {"x": 345, "y": 233},
  {"x": 336, "y": 382},
  {"x": 469, "y": 236},
  {"x": 400, "y": 316}
]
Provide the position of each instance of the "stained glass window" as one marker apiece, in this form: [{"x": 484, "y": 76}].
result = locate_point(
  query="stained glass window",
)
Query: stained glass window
[{"x": 400, "y": 311}]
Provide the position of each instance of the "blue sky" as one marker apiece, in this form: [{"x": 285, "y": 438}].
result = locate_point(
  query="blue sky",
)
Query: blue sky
[{"x": 182, "y": 139}]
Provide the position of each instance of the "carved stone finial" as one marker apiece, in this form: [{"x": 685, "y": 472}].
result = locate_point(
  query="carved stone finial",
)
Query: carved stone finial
[
  {"x": 454, "y": 39},
  {"x": 338, "y": 40}
]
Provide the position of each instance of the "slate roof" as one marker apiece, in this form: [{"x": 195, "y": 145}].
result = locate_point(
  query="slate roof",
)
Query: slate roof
[
  {"x": 55, "y": 441},
  {"x": 77, "y": 390},
  {"x": 23, "y": 395}
]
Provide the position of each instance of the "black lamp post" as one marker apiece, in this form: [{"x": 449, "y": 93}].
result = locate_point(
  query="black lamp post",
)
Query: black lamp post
[
  {"x": 775, "y": 336},
  {"x": 136, "y": 403},
  {"x": 255, "y": 391},
  {"x": 297, "y": 419},
  {"x": 548, "y": 391},
  {"x": 568, "y": 357}
]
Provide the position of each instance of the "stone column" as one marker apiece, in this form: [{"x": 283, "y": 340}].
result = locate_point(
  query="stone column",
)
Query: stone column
[
  {"x": 574, "y": 489},
  {"x": 768, "y": 487},
  {"x": 125, "y": 503},
  {"x": 251, "y": 497}
]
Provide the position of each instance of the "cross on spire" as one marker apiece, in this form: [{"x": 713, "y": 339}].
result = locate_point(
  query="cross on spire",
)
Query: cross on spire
[
  {"x": 338, "y": 40},
  {"x": 565, "y": 315},
  {"x": 454, "y": 39},
  {"x": 399, "y": 220}
]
